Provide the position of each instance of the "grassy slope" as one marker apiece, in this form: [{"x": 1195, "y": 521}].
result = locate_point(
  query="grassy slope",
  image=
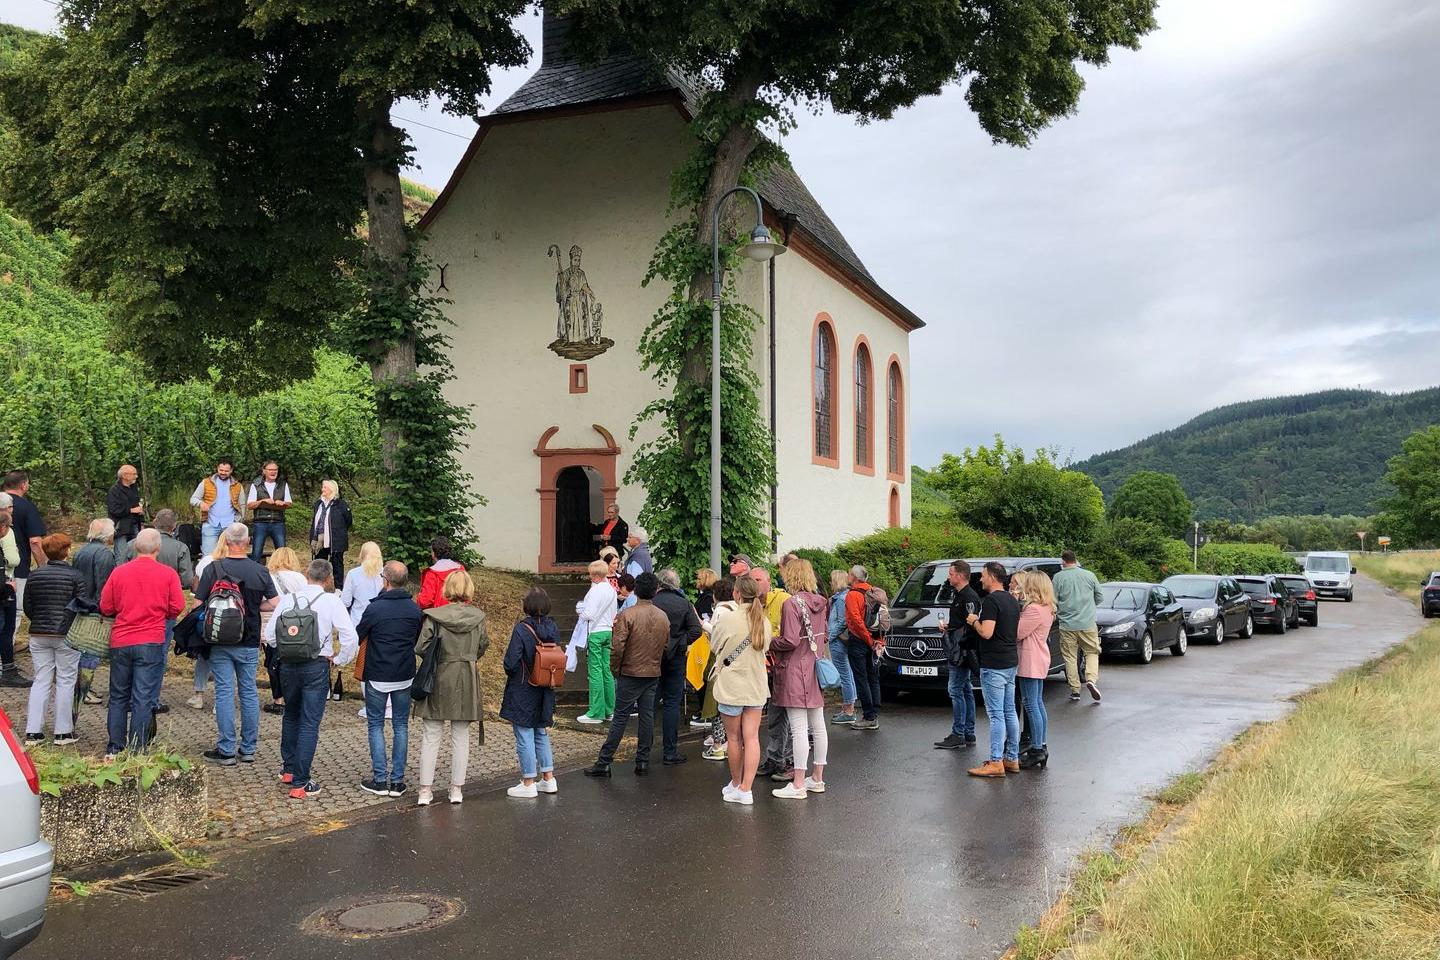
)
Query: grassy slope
[
  {"x": 1316, "y": 839},
  {"x": 1399, "y": 571},
  {"x": 1320, "y": 453}
]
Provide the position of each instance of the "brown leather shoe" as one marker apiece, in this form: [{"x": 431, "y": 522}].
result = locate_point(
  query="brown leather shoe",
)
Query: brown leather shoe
[
  {"x": 990, "y": 768},
  {"x": 1012, "y": 766}
]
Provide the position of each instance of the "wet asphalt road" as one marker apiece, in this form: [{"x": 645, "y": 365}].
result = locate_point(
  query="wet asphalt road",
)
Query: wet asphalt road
[{"x": 905, "y": 856}]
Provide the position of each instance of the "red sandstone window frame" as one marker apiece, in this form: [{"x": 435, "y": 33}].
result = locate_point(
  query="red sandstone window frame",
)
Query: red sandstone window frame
[
  {"x": 895, "y": 420},
  {"x": 864, "y": 454},
  {"x": 824, "y": 326}
]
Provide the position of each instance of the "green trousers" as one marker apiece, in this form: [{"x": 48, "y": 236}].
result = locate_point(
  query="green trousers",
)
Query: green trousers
[{"x": 602, "y": 681}]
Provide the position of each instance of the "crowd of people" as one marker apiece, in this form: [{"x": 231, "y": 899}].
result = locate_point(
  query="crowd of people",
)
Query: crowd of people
[{"x": 748, "y": 654}]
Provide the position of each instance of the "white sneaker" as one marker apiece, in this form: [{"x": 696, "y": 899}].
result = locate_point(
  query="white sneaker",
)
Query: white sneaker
[
  {"x": 548, "y": 786},
  {"x": 726, "y": 790},
  {"x": 588, "y": 720},
  {"x": 743, "y": 797},
  {"x": 522, "y": 792},
  {"x": 790, "y": 792},
  {"x": 196, "y": 702},
  {"x": 425, "y": 797},
  {"x": 814, "y": 786},
  {"x": 457, "y": 795}
]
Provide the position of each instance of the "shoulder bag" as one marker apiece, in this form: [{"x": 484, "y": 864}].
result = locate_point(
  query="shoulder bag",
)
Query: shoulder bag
[
  {"x": 548, "y": 668},
  {"x": 424, "y": 683},
  {"x": 826, "y": 672},
  {"x": 90, "y": 633}
]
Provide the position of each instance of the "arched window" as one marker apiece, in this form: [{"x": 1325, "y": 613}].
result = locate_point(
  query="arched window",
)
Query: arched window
[
  {"x": 894, "y": 507},
  {"x": 894, "y": 422},
  {"x": 864, "y": 447},
  {"x": 823, "y": 390}
]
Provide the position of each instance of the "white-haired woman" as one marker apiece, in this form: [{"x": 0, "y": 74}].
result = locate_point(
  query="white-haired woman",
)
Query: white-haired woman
[
  {"x": 95, "y": 561},
  {"x": 330, "y": 528}
]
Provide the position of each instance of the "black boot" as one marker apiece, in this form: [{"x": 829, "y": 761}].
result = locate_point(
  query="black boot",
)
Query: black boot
[
  {"x": 598, "y": 770},
  {"x": 10, "y": 676},
  {"x": 1034, "y": 757},
  {"x": 642, "y": 767}
]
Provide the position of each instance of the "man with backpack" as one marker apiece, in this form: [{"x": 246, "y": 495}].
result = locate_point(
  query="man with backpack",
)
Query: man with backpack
[
  {"x": 300, "y": 631},
  {"x": 685, "y": 629},
  {"x": 234, "y": 590},
  {"x": 867, "y": 619}
]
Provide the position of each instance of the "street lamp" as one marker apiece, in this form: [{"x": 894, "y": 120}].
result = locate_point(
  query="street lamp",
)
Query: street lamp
[{"x": 759, "y": 248}]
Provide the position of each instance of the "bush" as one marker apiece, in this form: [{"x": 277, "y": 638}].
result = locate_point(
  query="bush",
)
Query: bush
[
  {"x": 890, "y": 555},
  {"x": 823, "y": 561},
  {"x": 1179, "y": 558},
  {"x": 1237, "y": 558},
  {"x": 1126, "y": 549}
]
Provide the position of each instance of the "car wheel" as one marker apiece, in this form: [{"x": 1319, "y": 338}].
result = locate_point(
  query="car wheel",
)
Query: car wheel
[
  {"x": 1282, "y": 626},
  {"x": 1181, "y": 644},
  {"x": 1314, "y": 621},
  {"x": 1147, "y": 648},
  {"x": 1349, "y": 595},
  {"x": 1249, "y": 630}
]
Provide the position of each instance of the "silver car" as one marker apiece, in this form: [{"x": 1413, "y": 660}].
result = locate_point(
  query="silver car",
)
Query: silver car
[{"x": 25, "y": 859}]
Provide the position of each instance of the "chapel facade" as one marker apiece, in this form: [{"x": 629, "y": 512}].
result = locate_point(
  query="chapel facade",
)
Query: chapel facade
[{"x": 542, "y": 239}]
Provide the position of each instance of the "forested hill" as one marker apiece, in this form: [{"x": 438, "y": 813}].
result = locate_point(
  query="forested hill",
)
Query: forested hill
[{"x": 1307, "y": 454}]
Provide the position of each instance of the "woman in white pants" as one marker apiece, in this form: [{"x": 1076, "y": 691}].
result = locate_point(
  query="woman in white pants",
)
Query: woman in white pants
[
  {"x": 459, "y": 628},
  {"x": 801, "y": 642},
  {"x": 56, "y": 666}
]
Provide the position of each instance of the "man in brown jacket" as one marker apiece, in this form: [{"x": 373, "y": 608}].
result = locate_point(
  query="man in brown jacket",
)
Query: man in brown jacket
[{"x": 638, "y": 644}]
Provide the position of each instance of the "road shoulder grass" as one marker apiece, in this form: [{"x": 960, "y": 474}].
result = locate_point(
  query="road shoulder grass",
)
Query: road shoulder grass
[{"x": 1317, "y": 836}]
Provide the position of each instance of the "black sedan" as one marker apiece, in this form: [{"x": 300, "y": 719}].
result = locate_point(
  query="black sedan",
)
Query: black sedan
[
  {"x": 1430, "y": 595},
  {"x": 1215, "y": 606},
  {"x": 1304, "y": 595},
  {"x": 1136, "y": 618},
  {"x": 1271, "y": 604}
]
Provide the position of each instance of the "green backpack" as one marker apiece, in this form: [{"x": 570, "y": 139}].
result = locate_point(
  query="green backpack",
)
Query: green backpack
[{"x": 297, "y": 633}]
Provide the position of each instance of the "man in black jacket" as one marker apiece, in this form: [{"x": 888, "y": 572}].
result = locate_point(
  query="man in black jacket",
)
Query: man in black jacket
[
  {"x": 685, "y": 629},
  {"x": 124, "y": 506},
  {"x": 389, "y": 628},
  {"x": 960, "y": 655}
]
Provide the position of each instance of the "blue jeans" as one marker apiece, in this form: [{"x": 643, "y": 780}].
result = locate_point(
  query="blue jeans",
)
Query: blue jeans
[
  {"x": 632, "y": 694},
  {"x": 399, "y": 731},
  {"x": 999, "y": 689},
  {"x": 209, "y": 536},
  {"x": 962, "y": 702},
  {"x": 669, "y": 700},
  {"x": 274, "y": 530},
  {"x": 1032, "y": 692},
  {"x": 841, "y": 659},
  {"x": 233, "y": 668},
  {"x": 306, "y": 687},
  {"x": 165, "y": 654},
  {"x": 135, "y": 674},
  {"x": 532, "y": 749}
]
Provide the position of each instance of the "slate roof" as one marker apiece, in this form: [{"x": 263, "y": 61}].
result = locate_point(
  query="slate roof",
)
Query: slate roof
[{"x": 563, "y": 81}]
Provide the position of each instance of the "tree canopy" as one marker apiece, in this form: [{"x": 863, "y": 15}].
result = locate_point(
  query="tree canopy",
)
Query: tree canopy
[
  {"x": 1154, "y": 497},
  {"x": 1415, "y": 475}
]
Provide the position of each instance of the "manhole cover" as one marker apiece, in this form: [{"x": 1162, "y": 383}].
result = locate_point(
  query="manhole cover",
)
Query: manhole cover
[{"x": 383, "y": 915}]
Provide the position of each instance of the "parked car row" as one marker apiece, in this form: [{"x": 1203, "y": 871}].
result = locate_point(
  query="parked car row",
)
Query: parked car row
[{"x": 1134, "y": 619}]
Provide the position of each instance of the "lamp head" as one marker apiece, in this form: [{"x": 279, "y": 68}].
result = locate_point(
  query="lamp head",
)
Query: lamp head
[{"x": 762, "y": 246}]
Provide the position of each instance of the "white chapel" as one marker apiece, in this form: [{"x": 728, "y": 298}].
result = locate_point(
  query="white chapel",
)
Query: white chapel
[{"x": 541, "y": 239}]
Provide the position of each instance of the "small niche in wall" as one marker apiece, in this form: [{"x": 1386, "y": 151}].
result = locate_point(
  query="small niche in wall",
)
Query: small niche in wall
[{"x": 579, "y": 378}]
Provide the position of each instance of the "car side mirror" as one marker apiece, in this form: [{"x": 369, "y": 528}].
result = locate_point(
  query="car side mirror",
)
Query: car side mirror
[{"x": 1353, "y": 571}]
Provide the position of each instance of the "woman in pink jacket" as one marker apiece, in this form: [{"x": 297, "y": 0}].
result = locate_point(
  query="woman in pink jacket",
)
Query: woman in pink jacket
[
  {"x": 1037, "y": 613},
  {"x": 801, "y": 642}
]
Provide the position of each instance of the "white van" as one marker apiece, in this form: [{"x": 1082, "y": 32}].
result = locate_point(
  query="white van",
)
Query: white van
[{"x": 1329, "y": 574}]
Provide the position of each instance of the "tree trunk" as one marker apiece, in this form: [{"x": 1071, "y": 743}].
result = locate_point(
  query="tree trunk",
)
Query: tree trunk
[
  {"x": 731, "y": 155},
  {"x": 386, "y": 249}
]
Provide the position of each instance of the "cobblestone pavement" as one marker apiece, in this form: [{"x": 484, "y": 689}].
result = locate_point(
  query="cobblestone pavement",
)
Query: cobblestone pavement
[{"x": 247, "y": 800}]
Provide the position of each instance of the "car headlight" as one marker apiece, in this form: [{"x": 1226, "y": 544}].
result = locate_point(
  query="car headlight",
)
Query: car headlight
[
  {"x": 1204, "y": 613},
  {"x": 1117, "y": 629}
]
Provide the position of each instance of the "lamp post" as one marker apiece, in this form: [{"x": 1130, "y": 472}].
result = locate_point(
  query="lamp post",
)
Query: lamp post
[{"x": 760, "y": 248}]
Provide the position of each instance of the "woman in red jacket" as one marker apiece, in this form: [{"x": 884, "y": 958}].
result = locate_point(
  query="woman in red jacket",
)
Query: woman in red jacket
[{"x": 432, "y": 581}]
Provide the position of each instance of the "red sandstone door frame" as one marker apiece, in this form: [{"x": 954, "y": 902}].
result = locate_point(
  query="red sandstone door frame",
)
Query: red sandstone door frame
[{"x": 552, "y": 462}]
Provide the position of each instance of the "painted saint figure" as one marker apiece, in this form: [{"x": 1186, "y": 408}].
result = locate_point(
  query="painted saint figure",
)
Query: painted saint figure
[{"x": 580, "y": 313}]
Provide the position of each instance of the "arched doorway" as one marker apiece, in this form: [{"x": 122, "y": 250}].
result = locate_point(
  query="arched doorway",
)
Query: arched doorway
[{"x": 579, "y": 503}]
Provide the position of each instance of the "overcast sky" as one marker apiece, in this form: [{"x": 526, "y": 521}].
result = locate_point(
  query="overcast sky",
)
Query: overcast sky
[{"x": 1247, "y": 206}]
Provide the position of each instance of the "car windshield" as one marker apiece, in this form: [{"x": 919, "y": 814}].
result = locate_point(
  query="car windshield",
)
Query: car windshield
[
  {"x": 1327, "y": 564},
  {"x": 927, "y": 587},
  {"x": 1296, "y": 584},
  {"x": 1256, "y": 588},
  {"x": 1435, "y": 579},
  {"x": 1192, "y": 588},
  {"x": 1122, "y": 598}
]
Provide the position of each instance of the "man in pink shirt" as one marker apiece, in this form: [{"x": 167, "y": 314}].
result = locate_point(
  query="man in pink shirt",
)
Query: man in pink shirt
[{"x": 141, "y": 595}]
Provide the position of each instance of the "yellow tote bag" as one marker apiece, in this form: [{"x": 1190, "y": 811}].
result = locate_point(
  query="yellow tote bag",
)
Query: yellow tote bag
[{"x": 695, "y": 661}]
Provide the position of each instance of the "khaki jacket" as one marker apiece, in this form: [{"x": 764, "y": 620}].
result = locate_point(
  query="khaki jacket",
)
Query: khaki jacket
[
  {"x": 463, "y": 641},
  {"x": 743, "y": 683}
]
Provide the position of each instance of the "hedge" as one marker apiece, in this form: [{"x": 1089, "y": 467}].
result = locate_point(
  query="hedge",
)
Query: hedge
[{"x": 1241, "y": 558}]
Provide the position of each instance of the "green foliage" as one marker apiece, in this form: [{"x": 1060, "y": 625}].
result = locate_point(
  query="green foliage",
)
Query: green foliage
[
  {"x": 1415, "y": 475},
  {"x": 1236, "y": 558},
  {"x": 1303, "y": 534},
  {"x": 928, "y": 505},
  {"x": 1179, "y": 557},
  {"x": 59, "y": 769},
  {"x": 1154, "y": 497},
  {"x": 1317, "y": 453},
  {"x": 823, "y": 561},
  {"x": 72, "y": 411},
  {"x": 889, "y": 555},
  {"x": 999, "y": 490},
  {"x": 1127, "y": 549}
]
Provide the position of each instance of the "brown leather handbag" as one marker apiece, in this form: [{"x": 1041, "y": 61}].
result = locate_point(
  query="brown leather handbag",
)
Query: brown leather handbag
[{"x": 548, "y": 670}]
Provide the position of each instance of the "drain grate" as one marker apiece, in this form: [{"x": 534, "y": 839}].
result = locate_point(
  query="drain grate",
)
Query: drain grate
[
  {"x": 383, "y": 915},
  {"x": 159, "y": 880}
]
